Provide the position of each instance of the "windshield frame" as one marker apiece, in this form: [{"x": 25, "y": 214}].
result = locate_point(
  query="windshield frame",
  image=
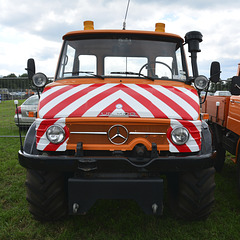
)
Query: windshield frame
[{"x": 163, "y": 38}]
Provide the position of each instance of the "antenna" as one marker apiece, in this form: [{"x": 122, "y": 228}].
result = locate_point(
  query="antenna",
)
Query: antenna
[{"x": 124, "y": 22}]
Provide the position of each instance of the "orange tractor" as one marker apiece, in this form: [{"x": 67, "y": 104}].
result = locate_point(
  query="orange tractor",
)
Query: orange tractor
[
  {"x": 121, "y": 113},
  {"x": 224, "y": 120}
]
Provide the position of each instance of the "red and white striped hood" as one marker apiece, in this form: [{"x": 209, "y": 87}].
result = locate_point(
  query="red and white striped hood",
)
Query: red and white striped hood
[{"x": 119, "y": 100}]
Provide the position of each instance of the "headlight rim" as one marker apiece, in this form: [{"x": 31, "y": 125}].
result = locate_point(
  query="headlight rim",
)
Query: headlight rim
[
  {"x": 197, "y": 79},
  {"x": 63, "y": 132},
  {"x": 39, "y": 74},
  {"x": 187, "y": 138}
]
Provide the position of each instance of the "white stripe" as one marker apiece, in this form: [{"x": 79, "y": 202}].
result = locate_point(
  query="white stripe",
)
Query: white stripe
[
  {"x": 191, "y": 143},
  {"x": 79, "y": 102},
  {"x": 60, "y": 98},
  {"x": 162, "y": 106},
  {"x": 44, "y": 142},
  {"x": 178, "y": 100},
  {"x": 132, "y": 102},
  {"x": 172, "y": 148},
  {"x": 50, "y": 91},
  {"x": 189, "y": 93}
]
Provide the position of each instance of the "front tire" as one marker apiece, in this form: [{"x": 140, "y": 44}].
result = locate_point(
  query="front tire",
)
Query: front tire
[
  {"x": 46, "y": 195},
  {"x": 192, "y": 194},
  {"x": 218, "y": 146}
]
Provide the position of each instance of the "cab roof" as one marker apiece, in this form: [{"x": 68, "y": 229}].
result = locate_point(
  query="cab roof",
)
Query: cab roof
[{"x": 90, "y": 32}]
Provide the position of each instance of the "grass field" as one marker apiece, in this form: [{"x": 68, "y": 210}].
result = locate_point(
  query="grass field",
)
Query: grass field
[
  {"x": 7, "y": 112},
  {"x": 110, "y": 219}
]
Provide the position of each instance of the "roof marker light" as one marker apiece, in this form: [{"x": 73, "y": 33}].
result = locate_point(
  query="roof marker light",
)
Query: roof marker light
[
  {"x": 88, "y": 25},
  {"x": 160, "y": 27}
]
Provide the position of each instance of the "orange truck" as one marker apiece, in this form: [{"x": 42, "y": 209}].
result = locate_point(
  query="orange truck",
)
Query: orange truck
[
  {"x": 224, "y": 121},
  {"x": 121, "y": 113}
]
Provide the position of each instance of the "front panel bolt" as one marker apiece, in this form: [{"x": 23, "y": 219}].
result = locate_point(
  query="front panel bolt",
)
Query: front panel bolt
[
  {"x": 154, "y": 208},
  {"x": 75, "y": 208}
]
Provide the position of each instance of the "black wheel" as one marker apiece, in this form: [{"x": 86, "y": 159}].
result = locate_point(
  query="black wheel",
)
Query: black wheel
[
  {"x": 191, "y": 195},
  {"x": 238, "y": 172},
  {"x": 220, "y": 157},
  {"x": 217, "y": 145},
  {"x": 46, "y": 194},
  {"x": 148, "y": 64}
]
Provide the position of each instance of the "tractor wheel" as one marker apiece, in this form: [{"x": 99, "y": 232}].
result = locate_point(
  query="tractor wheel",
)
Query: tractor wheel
[
  {"x": 238, "y": 171},
  {"x": 46, "y": 194},
  {"x": 192, "y": 194},
  {"x": 217, "y": 145},
  {"x": 220, "y": 158}
]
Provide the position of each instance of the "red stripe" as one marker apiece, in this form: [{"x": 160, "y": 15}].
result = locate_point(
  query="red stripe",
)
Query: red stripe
[
  {"x": 168, "y": 101},
  {"x": 180, "y": 148},
  {"x": 193, "y": 130},
  {"x": 47, "y": 123},
  {"x": 126, "y": 108},
  {"x": 63, "y": 104},
  {"x": 184, "y": 96},
  {"x": 43, "y": 127},
  {"x": 54, "y": 94},
  {"x": 91, "y": 102},
  {"x": 157, "y": 113}
]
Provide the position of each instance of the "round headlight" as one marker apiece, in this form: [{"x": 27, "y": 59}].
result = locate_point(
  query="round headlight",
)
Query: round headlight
[
  {"x": 201, "y": 82},
  {"x": 180, "y": 135},
  {"x": 39, "y": 80},
  {"x": 55, "y": 134}
]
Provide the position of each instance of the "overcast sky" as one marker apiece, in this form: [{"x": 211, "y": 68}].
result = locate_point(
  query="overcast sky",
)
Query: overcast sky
[{"x": 34, "y": 28}]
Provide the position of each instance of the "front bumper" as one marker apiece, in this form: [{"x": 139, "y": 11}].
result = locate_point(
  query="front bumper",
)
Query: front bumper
[{"x": 115, "y": 163}]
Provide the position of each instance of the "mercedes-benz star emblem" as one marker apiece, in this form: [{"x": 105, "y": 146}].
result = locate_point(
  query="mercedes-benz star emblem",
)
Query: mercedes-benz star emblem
[{"x": 118, "y": 134}]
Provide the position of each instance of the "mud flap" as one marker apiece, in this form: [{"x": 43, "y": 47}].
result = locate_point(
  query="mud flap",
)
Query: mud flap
[{"x": 83, "y": 193}]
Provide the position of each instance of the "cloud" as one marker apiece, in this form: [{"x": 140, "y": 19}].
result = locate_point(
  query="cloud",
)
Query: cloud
[{"x": 34, "y": 28}]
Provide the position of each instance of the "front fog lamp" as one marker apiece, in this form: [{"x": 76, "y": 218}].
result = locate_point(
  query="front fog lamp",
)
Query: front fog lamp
[
  {"x": 179, "y": 135},
  {"x": 55, "y": 134},
  {"x": 201, "y": 82},
  {"x": 39, "y": 80}
]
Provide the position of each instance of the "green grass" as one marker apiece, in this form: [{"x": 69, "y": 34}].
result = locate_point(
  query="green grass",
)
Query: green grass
[
  {"x": 7, "y": 112},
  {"x": 110, "y": 219}
]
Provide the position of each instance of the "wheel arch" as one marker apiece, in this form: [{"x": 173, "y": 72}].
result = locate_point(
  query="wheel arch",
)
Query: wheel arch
[
  {"x": 206, "y": 144},
  {"x": 30, "y": 140}
]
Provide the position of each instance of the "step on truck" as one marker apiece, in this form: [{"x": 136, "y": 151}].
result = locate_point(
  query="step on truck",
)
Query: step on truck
[
  {"x": 121, "y": 114},
  {"x": 224, "y": 122}
]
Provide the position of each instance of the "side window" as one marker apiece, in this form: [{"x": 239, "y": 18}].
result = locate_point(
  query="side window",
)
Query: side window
[
  {"x": 70, "y": 59},
  {"x": 67, "y": 62}
]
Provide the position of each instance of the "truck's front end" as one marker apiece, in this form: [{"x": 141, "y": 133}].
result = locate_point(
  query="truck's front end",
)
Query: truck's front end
[{"x": 121, "y": 113}]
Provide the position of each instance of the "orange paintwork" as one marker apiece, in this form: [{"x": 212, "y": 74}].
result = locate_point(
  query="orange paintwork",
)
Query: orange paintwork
[
  {"x": 238, "y": 70},
  {"x": 217, "y": 114},
  {"x": 228, "y": 114},
  {"x": 76, "y": 81},
  {"x": 233, "y": 119},
  {"x": 103, "y": 125},
  {"x": 153, "y": 33}
]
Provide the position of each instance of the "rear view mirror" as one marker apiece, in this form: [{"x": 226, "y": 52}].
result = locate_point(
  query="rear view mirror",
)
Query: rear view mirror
[
  {"x": 30, "y": 68},
  {"x": 215, "y": 72},
  {"x": 235, "y": 85}
]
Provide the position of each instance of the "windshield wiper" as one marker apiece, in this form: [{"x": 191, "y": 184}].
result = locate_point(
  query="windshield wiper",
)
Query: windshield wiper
[
  {"x": 87, "y": 72},
  {"x": 133, "y": 73}
]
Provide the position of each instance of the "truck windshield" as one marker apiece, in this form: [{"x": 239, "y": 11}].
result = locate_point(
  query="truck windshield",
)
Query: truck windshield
[{"x": 123, "y": 57}]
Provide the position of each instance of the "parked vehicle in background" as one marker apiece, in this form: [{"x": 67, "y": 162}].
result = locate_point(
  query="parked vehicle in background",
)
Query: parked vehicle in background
[
  {"x": 27, "y": 112},
  {"x": 222, "y": 93},
  {"x": 224, "y": 120},
  {"x": 4, "y": 94},
  {"x": 122, "y": 112}
]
